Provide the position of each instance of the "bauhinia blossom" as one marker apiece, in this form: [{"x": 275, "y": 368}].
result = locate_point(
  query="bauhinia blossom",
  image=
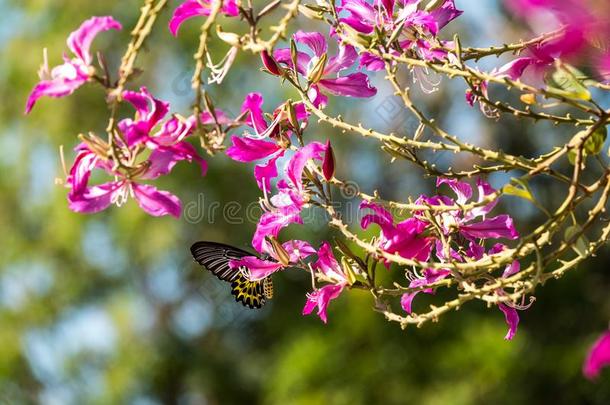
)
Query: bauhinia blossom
[
  {"x": 329, "y": 269},
  {"x": 405, "y": 238},
  {"x": 257, "y": 269},
  {"x": 269, "y": 139},
  {"x": 418, "y": 26},
  {"x": 323, "y": 73},
  {"x": 598, "y": 357},
  {"x": 197, "y": 8},
  {"x": 286, "y": 206},
  {"x": 64, "y": 79},
  {"x": 164, "y": 147}
]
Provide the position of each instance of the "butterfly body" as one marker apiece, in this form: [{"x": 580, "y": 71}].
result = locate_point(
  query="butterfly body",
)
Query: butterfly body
[{"x": 215, "y": 257}]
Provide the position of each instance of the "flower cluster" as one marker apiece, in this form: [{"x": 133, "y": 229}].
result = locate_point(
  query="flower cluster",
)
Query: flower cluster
[
  {"x": 148, "y": 148},
  {"x": 453, "y": 235},
  {"x": 323, "y": 74}
]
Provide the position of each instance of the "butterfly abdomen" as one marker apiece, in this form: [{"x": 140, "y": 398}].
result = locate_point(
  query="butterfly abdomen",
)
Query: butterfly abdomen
[{"x": 268, "y": 288}]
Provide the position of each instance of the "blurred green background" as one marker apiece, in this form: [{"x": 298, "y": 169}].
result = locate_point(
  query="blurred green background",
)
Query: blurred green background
[{"x": 110, "y": 309}]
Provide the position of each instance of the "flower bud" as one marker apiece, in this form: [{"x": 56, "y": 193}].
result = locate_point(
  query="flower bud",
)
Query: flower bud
[
  {"x": 328, "y": 165},
  {"x": 292, "y": 114},
  {"x": 270, "y": 63},
  {"x": 280, "y": 253},
  {"x": 318, "y": 70},
  {"x": 230, "y": 38}
]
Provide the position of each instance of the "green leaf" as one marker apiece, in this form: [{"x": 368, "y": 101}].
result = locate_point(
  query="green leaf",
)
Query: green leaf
[
  {"x": 567, "y": 81},
  {"x": 519, "y": 189},
  {"x": 595, "y": 143},
  {"x": 581, "y": 246}
]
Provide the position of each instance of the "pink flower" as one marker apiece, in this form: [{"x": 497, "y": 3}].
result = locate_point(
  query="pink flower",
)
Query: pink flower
[
  {"x": 329, "y": 79},
  {"x": 90, "y": 199},
  {"x": 364, "y": 17},
  {"x": 430, "y": 276},
  {"x": 404, "y": 239},
  {"x": 64, "y": 79},
  {"x": 598, "y": 357},
  {"x": 253, "y": 147},
  {"x": 472, "y": 224},
  {"x": 329, "y": 267},
  {"x": 196, "y": 8},
  {"x": 163, "y": 149},
  {"x": 384, "y": 15},
  {"x": 583, "y": 23},
  {"x": 257, "y": 269}
]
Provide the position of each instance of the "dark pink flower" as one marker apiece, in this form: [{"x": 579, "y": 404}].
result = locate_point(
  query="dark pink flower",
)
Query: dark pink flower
[
  {"x": 329, "y": 267},
  {"x": 64, "y": 79},
  {"x": 196, "y": 8},
  {"x": 143, "y": 152},
  {"x": 90, "y": 199},
  {"x": 254, "y": 147},
  {"x": 404, "y": 239},
  {"x": 472, "y": 224},
  {"x": 598, "y": 357},
  {"x": 430, "y": 276},
  {"x": 582, "y": 22},
  {"x": 257, "y": 269},
  {"x": 351, "y": 85},
  {"x": 285, "y": 206}
]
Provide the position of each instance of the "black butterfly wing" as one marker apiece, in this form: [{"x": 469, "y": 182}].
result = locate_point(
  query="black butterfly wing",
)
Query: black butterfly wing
[{"x": 215, "y": 257}]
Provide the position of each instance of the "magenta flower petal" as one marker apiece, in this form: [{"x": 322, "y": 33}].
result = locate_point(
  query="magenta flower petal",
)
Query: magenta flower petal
[
  {"x": 381, "y": 217},
  {"x": 248, "y": 149},
  {"x": 258, "y": 268},
  {"x": 80, "y": 40},
  {"x": 352, "y": 85},
  {"x": 298, "y": 250},
  {"x": 164, "y": 158},
  {"x": 94, "y": 199},
  {"x": 346, "y": 57},
  {"x": 313, "y": 40},
  {"x": 445, "y": 14},
  {"x": 270, "y": 224},
  {"x": 57, "y": 87},
  {"x": 363, "y": 16},
  {"x": 512, "y": 320},
  {"x": 460, "y": 188},
  {"x": 371, "y": 62},
  {"x": 321, "y": 298},
  {"x": 405, "y": 240},
  {"x": 81, "y": 171},
  {"x": 297, "y": 163},
  {"x": 326, "y": 262},
  {"x": 265, "y": 172},
  {"x": 430, "y": 276},
  {"x": 283, "y": 55},
  {"x": 156, "y": 202},
  {"x": 598, "y": 357},
  {"x": 497, "y": 227},
  {"x": 195, "y": 8},
  {"x": 256, "y": 119}
]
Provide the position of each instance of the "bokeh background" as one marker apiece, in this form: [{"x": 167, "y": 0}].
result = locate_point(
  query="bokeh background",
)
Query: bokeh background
[{"x": 110, "y": 309}]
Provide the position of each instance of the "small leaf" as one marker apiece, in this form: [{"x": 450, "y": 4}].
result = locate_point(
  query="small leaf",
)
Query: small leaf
[
  {"x": 581, "y": 246},
  {"x": 519, "y": 189},
  {"x": 595, "y": 143},
  {"x": 566, "y": 81}
]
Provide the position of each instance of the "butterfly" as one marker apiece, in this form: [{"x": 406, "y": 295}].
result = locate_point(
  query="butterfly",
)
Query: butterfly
[{"x": 215, "y": 257}]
